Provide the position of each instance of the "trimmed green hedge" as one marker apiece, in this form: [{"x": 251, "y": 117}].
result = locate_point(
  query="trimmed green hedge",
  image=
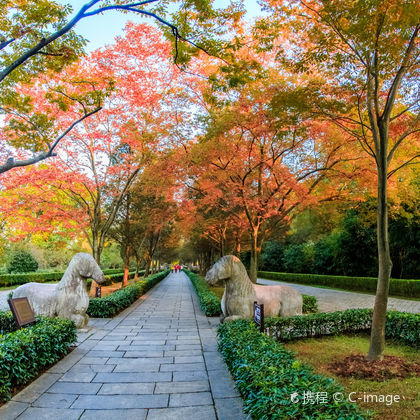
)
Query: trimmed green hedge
[
  {"x": 267, "y": 375},
  {"x": 397, "y": 287},
  {"x": 16, "y": 279},
  {"x": 400, "y": 326},
  {"x": 209, "y": 302},
  {"x": 26, "y": 352},
  {"x": 117, "y": 277},
  {"x": 113, "y": 276},
  {"x": 109, "y": 306}
]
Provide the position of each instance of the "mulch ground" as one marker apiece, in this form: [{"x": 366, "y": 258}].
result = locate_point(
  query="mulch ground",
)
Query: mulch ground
[{"x": 357, "y": 366}]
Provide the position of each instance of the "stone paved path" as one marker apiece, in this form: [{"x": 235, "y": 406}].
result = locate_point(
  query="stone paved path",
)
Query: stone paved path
[
  {"x": 157, "y": 360},
  {"x": 330, "y": 300}
]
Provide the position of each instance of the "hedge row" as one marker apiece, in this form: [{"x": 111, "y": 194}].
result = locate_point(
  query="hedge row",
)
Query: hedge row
[
  {"x": 113, "y": 278},
  {"x": 268, "y": 377},
  {"x": 109, "y": 306},
  {"x": 397, "y": 287},
  {"x": 400, "y": 326},
  {"x": 22, "y": 278},
  {"x": 113, "y": 275},
  {"x": 26, "y": 352},
  {"x": 209, "y": 302}
]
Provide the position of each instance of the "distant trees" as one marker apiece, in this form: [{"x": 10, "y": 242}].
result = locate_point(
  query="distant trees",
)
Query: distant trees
[
  {"x": 256, "y": 167},
  {"x": 349, "y": 249}
]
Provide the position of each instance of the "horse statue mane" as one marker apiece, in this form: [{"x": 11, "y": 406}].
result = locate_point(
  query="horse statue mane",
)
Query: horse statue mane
[
  {"x": 240, "y": 293},
  {"x": 67, "y": 299}
]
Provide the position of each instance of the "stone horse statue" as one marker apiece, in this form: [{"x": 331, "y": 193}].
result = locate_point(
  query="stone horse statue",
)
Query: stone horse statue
[
  {"x": 67, "y": 299},
  {"x": 240, "y": 293}
]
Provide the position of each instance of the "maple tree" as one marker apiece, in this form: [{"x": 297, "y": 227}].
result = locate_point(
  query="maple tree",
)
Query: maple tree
[
  {"x": 370, "y": 50},
  {"x": 156, "y": 205},
  {"x": 258, "y": 165},
  {"x": 31, "y": 207},
  {"x": 112, "y": 147},
  {"x": 37, "y": 37}
]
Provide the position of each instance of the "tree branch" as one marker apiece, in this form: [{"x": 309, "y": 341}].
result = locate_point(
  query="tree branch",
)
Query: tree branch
[
  {"x": 400, "y": 74},
  {"x": 4, "y": 43},
  {"x": 83, "y": 13},
  {"x": 407, "y": 163},
  {"x": 11, "y": 163}
]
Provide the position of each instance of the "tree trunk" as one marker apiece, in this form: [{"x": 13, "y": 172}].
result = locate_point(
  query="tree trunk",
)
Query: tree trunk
[
  {"x": 126, "y": 265},
  {"x": 148, "y": 262},
  {"x": 253, "y": 266},
  {"x": 377, "y": 338},
  {"x": 136, "y": 276},
  {"x": 237, "y": 247},
  {"x": 222, "y": 241},
  {"x": 96, "y": 253}
]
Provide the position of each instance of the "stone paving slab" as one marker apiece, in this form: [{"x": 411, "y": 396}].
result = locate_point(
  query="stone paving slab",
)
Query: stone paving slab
[
  {"x": 124, "y": 414},
  {"x": 128, "y": 388},
  {"x": 34, "y": 413},
  {"x": 122, "y": 401},
  {"x": 184, "y": 413},
  {"x": 156, "y": 360},
  {"x": 54, "y": 400},
  {"x": 330, "y": 300},
  {"x": 190, "y": 399}
]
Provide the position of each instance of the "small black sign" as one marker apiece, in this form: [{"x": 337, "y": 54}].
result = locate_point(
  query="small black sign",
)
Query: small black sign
[
  {"x": 22, "y": 311},
  {"x": 259, "y": 315},
  {"x": 98, "y": 292}
]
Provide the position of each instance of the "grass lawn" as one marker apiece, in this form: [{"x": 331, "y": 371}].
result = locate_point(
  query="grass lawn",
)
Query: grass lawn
[{"x": 320, "y": 352}]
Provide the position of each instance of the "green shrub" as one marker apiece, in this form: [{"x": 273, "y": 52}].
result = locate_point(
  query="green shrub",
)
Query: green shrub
[
  {"x": 22, "y": 262},
  {"x": 400, "y": 326},
  {"x": 315, "y": 325},
  {"x": 209, "y": 302},
  {"x": 26, "y": 352},
  {"x": 16, "y": 279},
  {"x": 109, "y": 306},
  {"x": 309, "y": 305},
  {"x": 403, "y": 327},
  {"x": 7, "y": 322},
  {"x": 266, "y": 374},
  {"x": 397, "y": 287}
]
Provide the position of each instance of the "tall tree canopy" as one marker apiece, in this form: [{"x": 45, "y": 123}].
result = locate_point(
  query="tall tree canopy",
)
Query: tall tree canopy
[
  {"x": 369, "y": 50},
  {"x": 38, "y": 37}
]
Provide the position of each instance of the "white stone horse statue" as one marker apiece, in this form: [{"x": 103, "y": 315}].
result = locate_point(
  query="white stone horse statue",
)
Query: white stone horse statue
[
  {"x": 67, "y": 299},
  {"x": 240, "y": 293}
]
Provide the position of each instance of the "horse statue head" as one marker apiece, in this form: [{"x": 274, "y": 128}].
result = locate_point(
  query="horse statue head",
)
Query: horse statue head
[
  {"x": 223, "y": 270},
  {"x": 85, "y": 266}
]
